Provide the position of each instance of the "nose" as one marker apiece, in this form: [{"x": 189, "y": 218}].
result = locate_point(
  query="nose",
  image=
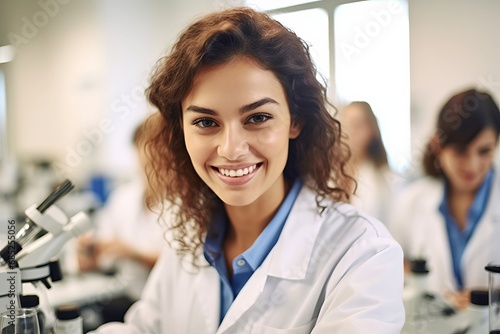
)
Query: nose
[
  {"x": 472, "y": 163},
  {"x": 233, "y": 143}
]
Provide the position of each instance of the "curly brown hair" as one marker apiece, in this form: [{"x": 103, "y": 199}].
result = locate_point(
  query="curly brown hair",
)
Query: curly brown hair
[{"x": 317, "y": 156}]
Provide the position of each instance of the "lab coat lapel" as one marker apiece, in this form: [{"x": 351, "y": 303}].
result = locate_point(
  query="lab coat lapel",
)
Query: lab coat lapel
[
  {"x": 291, "y": 257},
  {"x": 246, "y": 298},
  {"x": 489, "y": 225},
  {"x": 439, "y": 245},
  {"x": 435, "y": 237},
  {"x": 285, "y": 260}
]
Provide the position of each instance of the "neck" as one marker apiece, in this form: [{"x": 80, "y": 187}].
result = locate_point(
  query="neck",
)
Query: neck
[
  {"x": 459, "y": 203},
  {"x": 248, "y": 222}
]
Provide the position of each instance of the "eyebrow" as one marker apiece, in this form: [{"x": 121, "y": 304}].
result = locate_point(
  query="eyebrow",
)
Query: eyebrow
[{"x": 244, "y": 109}]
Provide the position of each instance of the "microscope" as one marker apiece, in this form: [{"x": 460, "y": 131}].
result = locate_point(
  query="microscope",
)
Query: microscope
[{"x": 31, "y": 253}]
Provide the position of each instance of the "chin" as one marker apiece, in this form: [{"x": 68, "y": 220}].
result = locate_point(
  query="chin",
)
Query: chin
[
  {"x": 236, "y": 199},
  {"x": 470, "y": 186}
]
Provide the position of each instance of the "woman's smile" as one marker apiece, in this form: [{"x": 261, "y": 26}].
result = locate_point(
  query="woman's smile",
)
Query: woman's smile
[
  {"x": 237, "y": 176},
  {"x": 232, "y": 172}
]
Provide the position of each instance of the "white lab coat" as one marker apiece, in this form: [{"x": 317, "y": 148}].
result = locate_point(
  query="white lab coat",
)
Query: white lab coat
[
  {"x": 338, "y": 271},
  {"x": 420, "y": 228}
]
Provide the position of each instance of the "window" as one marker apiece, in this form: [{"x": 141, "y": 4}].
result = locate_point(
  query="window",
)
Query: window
[
  {"x": 370, "y": 62},
  {"x": 274, "y": 4}
]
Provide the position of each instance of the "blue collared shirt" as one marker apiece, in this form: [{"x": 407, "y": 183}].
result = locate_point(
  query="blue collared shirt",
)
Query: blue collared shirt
[
  {"x": 245, "y": 264},
  {"x": 458, "y": 239}
]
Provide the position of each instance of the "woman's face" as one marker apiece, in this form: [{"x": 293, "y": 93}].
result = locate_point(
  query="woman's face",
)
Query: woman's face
[
  {"x": 237, "y": 128},
  {"x": 467, "y": 169},
  {"x": 358, "y": 129}
]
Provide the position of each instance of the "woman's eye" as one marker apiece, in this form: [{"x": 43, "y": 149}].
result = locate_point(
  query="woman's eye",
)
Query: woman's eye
[
  {"x": 259, "y": 118},
  {"x": 485, "y": 151},
  {"x": 204, "y": 123}
]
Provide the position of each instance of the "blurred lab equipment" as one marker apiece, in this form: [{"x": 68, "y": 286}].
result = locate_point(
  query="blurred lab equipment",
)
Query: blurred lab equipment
[
  {"x": 430, "y": 313},
  {"x": 31, "y": 231},
  {"x": 477, "y": 312},
  {"x": 33, "y": 301},
  {"x": 20, "y": 321},
  {"x": 30, "y": 255},
  {"x": 69, "y": 320},
  {"x": 426, "y": 312},
  {"x": 494, "y": 297}
]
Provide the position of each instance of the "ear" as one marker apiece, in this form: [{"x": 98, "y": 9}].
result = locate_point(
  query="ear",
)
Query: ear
[{"x": 295, "y": 129}]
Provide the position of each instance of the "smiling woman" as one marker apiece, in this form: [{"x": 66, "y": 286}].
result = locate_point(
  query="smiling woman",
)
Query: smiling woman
[
  {"x": 263, "y": 241},
  {"x": 450, "y": 217}
]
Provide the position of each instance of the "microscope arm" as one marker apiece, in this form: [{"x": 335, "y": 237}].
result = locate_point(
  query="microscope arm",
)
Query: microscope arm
[{"x": 44, "y": 249}]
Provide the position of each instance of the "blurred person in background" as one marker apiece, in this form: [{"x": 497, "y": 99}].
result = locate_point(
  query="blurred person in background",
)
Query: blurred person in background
[
  {"x": 368, "y": 163},
  {"x": 127, "y": 239},
  {"x": 451, "y": 217}
]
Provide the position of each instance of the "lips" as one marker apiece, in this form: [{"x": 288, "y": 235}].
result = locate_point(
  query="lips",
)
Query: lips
[{"x": 468, "y": 176}]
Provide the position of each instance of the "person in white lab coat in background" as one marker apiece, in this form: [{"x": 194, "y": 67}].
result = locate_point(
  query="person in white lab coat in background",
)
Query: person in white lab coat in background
[
  {"x": 244, "y": 145},
  {"x": 451, "y": 217},
  {"x": 376, "y": 182},
  {"x": 128, "y": 239}
]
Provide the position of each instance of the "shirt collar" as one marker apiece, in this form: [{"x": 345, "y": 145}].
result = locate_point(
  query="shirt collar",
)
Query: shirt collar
[
  {"x": 481, "y": 200},
  {"x": 256, "y": 254}
]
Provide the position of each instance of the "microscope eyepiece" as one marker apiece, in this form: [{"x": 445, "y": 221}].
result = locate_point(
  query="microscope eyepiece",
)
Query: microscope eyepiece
[{"x": 30, "y": 231}]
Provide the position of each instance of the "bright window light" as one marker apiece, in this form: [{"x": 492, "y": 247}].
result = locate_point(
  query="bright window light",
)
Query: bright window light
[
  {"x": 273, "y": 4},
  {"x": 7, "y": 53},
  {"x": 372, "y": 64}
]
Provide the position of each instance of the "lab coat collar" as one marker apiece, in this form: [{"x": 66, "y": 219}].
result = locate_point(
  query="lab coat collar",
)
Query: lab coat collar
[
  {"x": 286, "y": 260},
  {"x": 292, "y": 253},
  {"x": 492, "y": 208},
  {"x": 289, "y": 259}
]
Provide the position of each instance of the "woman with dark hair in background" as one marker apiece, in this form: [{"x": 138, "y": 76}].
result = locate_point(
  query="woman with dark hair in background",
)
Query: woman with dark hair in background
[
  {"x": 368, "y": 163},
  {"x": 451, "y": 217},
  {"x": 245, "y": 147}
]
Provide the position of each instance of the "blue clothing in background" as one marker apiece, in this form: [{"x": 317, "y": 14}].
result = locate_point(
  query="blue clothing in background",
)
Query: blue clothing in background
[
  {"x": 458, "y": 239},
  {"x": 245, "y": 264}
]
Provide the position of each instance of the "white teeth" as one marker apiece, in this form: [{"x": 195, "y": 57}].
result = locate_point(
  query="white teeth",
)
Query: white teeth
[{"x": 237, "y": 172}]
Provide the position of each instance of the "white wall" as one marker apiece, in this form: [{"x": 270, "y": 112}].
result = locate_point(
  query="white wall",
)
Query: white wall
[{"x": 454, "y": 44}]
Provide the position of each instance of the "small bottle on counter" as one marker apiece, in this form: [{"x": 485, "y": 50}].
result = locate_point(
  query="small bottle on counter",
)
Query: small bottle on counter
[
  {"x": 416, "y": 297},
  {"x": 477, "y": 312},
  {"x": 33, "y": 301},
  {"x": 68, "y": 320}
]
